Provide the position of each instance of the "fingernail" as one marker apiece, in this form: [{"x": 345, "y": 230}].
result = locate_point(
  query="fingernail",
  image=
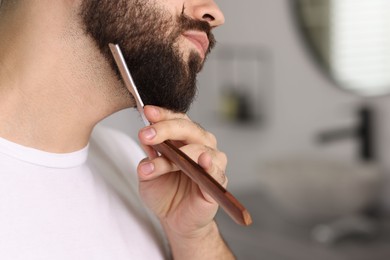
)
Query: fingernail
[
  {"x": 147, "y": 168},
  {"x": 149, "y": 133}
]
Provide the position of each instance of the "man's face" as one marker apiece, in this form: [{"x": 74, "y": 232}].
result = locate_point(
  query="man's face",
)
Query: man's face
[{"x": 164, "y": 68}]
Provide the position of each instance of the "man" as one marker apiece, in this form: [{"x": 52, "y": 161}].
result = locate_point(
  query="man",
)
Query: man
[{"x": 64, "y": 195}]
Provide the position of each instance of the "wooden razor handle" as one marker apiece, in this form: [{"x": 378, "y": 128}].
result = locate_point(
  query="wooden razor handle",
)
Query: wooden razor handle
[{"x": 205, "y": 181}]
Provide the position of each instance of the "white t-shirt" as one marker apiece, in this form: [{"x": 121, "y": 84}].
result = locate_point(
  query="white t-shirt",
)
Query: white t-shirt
[{"x": 81, "y": 205}]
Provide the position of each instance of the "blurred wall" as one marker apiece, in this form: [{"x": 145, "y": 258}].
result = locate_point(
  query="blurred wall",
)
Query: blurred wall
[{"x": 301, "y": 104}]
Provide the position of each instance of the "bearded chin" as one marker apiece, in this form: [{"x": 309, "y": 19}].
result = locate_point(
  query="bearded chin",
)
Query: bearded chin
[{"x": 163, "y": 78}]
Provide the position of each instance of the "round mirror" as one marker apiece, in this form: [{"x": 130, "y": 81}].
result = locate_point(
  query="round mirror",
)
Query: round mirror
[{"x": 351, "y": 41}]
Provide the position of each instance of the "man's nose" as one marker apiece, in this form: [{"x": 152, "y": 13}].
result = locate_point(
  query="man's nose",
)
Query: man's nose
[{"x": 205, "y": 10}]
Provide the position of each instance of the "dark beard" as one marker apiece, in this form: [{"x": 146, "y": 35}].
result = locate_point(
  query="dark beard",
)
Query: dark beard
[{"x": 147, "y": 36}]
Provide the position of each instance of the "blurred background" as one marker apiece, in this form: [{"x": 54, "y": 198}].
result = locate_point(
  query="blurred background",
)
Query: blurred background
[{"x": 297, "y": 93}]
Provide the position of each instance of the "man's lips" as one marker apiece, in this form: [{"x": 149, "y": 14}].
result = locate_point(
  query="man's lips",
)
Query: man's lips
[{"x": 200, "y": 40}]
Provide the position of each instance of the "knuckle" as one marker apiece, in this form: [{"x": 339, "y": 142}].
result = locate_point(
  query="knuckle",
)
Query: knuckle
[
  {"x": 223, "y": 157},
  {"x": 207, "y": 135},
  {"x": 211, "y": 138},
  {"x": 173, "y": 126},
  {"x": 166, "y": 129},
  {"x": 222, "y": 177},
  {"x": 226, "y": 181},
  {"x": 205, "y": 148},
  {"x": 182, "y": 123}
]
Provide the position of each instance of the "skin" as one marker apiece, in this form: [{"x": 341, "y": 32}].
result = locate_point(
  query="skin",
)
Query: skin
[{"x": 46, "y": 79}]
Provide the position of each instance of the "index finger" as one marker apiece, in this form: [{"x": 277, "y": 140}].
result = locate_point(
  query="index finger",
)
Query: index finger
[{"x": 155, "y": 114}]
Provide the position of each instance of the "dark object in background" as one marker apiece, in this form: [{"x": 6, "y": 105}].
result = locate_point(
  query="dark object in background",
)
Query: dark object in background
[
  {"x": 236, "y": 106},
  {"x": 363, "y": 132}
]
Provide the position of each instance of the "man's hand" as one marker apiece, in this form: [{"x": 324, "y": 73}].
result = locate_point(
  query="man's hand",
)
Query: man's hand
[{"x": 185, "y": 211}]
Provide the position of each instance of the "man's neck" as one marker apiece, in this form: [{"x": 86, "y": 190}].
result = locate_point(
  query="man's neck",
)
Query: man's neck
[{"x": 54, "y": 85}]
